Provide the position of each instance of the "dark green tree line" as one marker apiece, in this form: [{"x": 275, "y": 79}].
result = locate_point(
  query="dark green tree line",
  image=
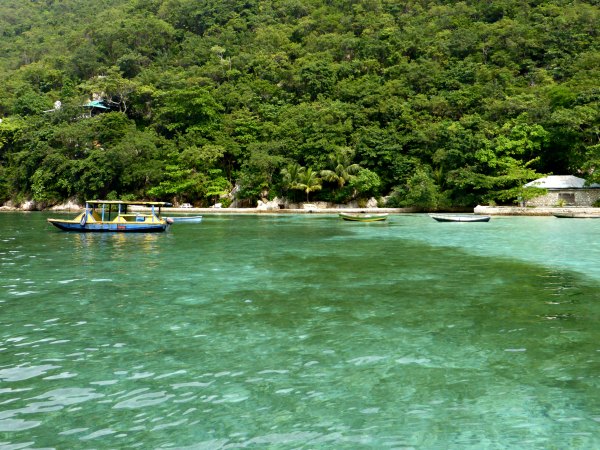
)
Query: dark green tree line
[{"x": 437, "y": 103}]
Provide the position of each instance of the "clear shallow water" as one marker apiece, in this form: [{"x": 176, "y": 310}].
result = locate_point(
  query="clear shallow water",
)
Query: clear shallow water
[{"x": 301, "y": 332}]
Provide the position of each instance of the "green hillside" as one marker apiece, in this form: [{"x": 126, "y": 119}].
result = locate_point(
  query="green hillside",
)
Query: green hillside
[{"x": 432, "y": 103}]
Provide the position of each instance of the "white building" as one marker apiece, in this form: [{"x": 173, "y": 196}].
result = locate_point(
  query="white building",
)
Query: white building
[{"x": 564, "y": 190}]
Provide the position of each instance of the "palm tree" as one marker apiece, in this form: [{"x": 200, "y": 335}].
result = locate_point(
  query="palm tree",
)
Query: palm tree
[
  {"x": 291, "y": 176},
  {"x": 343, "y": 169},
  {"x": 309, "y": 182}
]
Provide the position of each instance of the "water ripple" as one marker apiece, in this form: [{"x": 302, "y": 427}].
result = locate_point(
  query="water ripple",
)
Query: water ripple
[
  {"x": 332, "y": 338},
  {"x": 21, "y": 373},
  {"x": 68, "y": 396},
  {"x": 362, "y": 360},
  {"x": 17, "y": 425},
  {"x": 142, "y": 401},
  {"x": 98, "y": 434}
]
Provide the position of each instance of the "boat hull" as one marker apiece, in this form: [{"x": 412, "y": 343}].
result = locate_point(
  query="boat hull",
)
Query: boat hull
[
  {"x": 460, "y": 218},
  {"x": 98, "y": 227},
  {"x": 364, "y": 217},
  {"x": 576, "y": 216},
  {"x": 183, "y": 219}
]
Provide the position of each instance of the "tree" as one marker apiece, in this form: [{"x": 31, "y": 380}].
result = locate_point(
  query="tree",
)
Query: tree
[
  {"x": 256, "y": 176},
  {"x": 469, "y": 98},
  {"x": 309, "y": 182},
  {"x": 177, "y": 183},
  {"x": 216, "y": 185},
  {"x": 421, "y": 191},
  {"x": 189, "y": 109},
  {"x": 113, "y": 87},
  {"x": 365, "y": 184},
  {"x": 30, "y": 102},
  {"x": 342, "y": 168},
  {"x": 291, "y": 176}
]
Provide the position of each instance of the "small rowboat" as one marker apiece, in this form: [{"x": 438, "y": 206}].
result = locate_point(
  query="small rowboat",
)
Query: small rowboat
[
  {"x": 458, "y": 218},
  {"x": 576, "y": 215},
  {"x": 186, "y": 219},
  {"x": 363, "y": 217}
]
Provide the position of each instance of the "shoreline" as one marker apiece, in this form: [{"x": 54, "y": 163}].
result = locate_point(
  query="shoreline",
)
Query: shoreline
[
  {"x": 289, "y": 210},
  {"x": 258, "y": 210},
  {"x": 312, "y": 209}
]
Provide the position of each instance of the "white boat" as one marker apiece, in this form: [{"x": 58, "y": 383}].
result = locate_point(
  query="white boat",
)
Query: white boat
[
  {"x": 576, "y": 215},
  {"x": 186, "y": 219},
  {"x": 458, "y": 218}
]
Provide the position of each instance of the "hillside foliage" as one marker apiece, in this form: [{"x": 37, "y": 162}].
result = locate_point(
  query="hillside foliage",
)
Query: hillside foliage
[{"x": 431, "y": 103}]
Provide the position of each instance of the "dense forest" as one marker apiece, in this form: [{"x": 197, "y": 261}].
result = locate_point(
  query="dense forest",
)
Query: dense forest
[{"x": 429, "y": 103}]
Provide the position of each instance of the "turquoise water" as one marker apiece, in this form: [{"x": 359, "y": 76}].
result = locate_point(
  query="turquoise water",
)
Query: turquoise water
[{"x": 301, "y": 332}]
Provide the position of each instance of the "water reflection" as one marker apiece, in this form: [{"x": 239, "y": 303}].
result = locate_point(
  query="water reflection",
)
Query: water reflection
[{"x": 115, "y": 242}]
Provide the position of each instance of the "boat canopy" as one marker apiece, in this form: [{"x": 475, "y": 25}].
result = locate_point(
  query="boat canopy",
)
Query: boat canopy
[
  {"x": 125, "y": 202},
  {"x": 122, "y": 206}
]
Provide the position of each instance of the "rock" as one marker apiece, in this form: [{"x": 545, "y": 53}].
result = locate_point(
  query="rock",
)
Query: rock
[
  {"x": 28, "y": 205},
  {"x": 8, "y": 206},
  {"x": 372, "y": 203},
  {"x": 68, "y": 206},
  {"x": 265, "y": 205}
]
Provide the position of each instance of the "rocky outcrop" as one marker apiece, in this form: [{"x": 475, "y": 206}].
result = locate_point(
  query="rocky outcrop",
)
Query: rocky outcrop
[
  {"x": 272, "y": 205},
  {"x": 28, "y": 205},
  {"x": 31, "y": 205},
  {"x": 70, "y": 205}
]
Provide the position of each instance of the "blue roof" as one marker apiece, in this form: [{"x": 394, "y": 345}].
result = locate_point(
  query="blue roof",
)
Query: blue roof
[{"x": 96, "y": 104}]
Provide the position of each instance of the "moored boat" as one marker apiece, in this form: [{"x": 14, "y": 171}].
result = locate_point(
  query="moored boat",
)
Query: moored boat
[
  {"x": 576, "y": 215},
  {"x": 185, "y": 219},
  {"x": 113, "y": 216},
  {"x": 459, "y": 218},
  {"x": 363, "y": 217}
]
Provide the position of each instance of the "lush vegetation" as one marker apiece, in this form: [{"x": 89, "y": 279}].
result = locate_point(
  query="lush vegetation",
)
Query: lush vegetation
[{"x": 430, "y": 102}]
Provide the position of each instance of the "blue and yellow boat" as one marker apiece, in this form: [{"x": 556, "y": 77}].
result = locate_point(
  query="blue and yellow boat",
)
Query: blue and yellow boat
[{"x": 113, "y": 216}]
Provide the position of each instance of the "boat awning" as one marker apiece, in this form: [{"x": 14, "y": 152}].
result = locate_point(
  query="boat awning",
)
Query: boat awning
[{"x": 124, "y": 202}]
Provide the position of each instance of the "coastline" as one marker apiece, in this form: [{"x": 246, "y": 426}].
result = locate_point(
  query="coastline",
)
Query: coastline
[
  {"x": 314, "y": 209},
  {"x": 273, "y": 207},
  {"x": 306, "y": 210},
  {"x": 208, "y": 211}
]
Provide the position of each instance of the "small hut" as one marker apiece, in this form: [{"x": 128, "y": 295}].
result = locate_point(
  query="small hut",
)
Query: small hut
[
  {"x": 567, "y": 190},
  {"x": 95, "y": 107}
]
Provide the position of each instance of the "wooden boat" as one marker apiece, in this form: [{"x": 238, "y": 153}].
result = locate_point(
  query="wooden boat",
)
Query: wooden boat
[
  {"x": 363, "y": 217},
  {"x": 186, "y": 219},
  {"x": 576, "y": 215},
  {"x": 113, "y": 216},
  {"x": 459, "y": 218}
]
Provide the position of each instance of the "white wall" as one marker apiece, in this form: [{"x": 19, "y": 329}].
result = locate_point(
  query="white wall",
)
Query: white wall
[{"x": 583, "y": 197}]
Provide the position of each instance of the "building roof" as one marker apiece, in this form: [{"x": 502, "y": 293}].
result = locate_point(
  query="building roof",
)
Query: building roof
[
  {"x": 96, "y": 104},
  {"x": 561, "y": 182}
]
